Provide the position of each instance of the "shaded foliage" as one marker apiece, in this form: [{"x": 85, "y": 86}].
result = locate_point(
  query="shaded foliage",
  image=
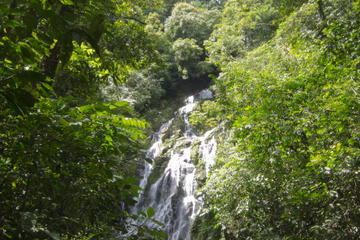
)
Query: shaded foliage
[{"x": 62, "y": 150}]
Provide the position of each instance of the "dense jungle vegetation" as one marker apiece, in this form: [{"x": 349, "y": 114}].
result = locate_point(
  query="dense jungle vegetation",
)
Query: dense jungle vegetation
[{"x": 83, "y": 83}]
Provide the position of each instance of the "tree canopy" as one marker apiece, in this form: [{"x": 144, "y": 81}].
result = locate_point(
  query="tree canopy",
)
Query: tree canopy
[
  {"x": 64, "y": 151},
  {"x": 78, "y": 78},
  {"x": 291, "y": 102}
]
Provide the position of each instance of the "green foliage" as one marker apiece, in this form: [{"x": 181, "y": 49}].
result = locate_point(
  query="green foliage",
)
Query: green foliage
[
  {"x": 293, "y": 106},
  {"x": 142, "y": 88},
  {"x": 244, "y": 26},
  {"x": 186, "y": 53},
  {"x": 209, "y": 4},
  {"x": 162, "y": 111},
  {"x": 83, "y": 73},
  {"x": 57, "y": 172},
  {"x": 60, "y": 178},
  {"x": 204, "y": 117},
  {"x": 204, "y": 228},
  {"x": 187, "y": 28},
  {"x": 187, "y": 21},
  {"x": 38, "y": 40}
]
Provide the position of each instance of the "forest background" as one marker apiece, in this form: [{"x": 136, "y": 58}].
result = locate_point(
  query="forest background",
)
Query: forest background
[{"x": 84, "y": 82}]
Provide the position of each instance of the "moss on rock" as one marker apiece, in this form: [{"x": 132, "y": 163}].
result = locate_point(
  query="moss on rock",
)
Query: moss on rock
[
  {"x": 175, "y": 130},
  {"x": 160, "y": 164},
  {"x": 195, "y": 155}
]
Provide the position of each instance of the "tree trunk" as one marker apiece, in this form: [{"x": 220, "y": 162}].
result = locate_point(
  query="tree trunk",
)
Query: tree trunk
[
  {"x": 321, "y": 11},
  {"x": 51, "y": 62},
  {"x": 322, "y": 17}
]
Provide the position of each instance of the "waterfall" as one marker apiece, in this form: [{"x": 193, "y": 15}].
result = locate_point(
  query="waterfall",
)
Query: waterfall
[
  {"x": 151, "y": 153},
  {"x": 172, "y": 195}
]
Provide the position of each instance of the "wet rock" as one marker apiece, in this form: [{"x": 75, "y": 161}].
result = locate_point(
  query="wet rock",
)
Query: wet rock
[
  {"x": 180, "y": 164},
  {"x": 205, "y": 94}
]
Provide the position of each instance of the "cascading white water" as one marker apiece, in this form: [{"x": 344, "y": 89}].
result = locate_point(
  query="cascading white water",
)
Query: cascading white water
[
  {"x": 208, "y": 150},
  {"x": 172, "y": 195},
  {"x": 151, "y": 153}
]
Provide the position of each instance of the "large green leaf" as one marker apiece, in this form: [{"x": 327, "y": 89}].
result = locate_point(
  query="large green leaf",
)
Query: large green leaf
[
  {"x": 67, "y": 2},
  {"x": 150, "y": 212}
]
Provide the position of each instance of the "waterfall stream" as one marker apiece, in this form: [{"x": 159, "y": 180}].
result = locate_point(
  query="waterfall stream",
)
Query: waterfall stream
[{"x": 172, "y": 195}]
